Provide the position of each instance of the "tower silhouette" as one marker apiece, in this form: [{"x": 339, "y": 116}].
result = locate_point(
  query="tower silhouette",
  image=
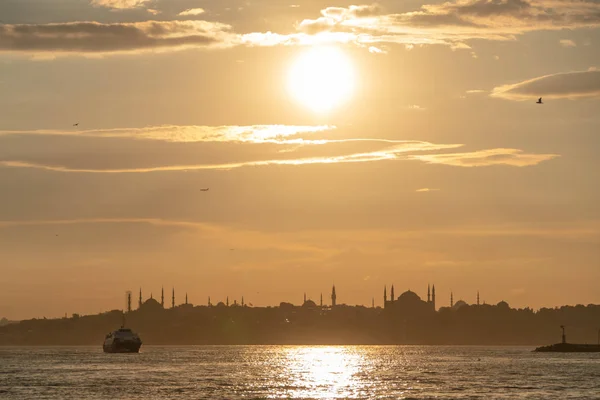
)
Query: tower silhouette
[
  {"x": 321, "y": 300},
  {"x": 209, "y": 301},
  {"x": 186, "y": 302},
  {"x": 428, "y": 294},
  {"x": 433, "y": 297},
  {"x": 478, "y": 297},
  {"x": 384, "y": 295},
  {"x": 333, "y": 297},
  {"x": 162, "y": 297},
  {"x": 140, "y": 299},
  {"x": 393, "y": 297},
  {"x": 128, "y": 301},
  {"x": 242, "y": 301},
  {"x": 451, "y": 300},
  {"x": 227, "y": 304},
  {"x": 304, "y": 297},
  {"x": 173, "y": 299}
]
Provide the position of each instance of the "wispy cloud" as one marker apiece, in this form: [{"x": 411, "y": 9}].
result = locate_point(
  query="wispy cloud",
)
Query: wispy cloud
[
  {"x": 229, "y": 236},
  {"x": 567, "y": 43},
  {"x": 189, "y": 148},
  {"x": 475, "y": 91},
  {"x": 386, "y": 154},
  {"x": 176, "y": 133},
  {"x": 557, "y": 86},
  {"x": 98, "y": 38},
  {"x": 427, "y": 190},
  {"x": 483, "y": 158},
  {"x": 120, "y": 4},
  {"x": 450, "y": 23},
  {"x": 192, "y": 11},
  {"x": 302, "y": 238}
]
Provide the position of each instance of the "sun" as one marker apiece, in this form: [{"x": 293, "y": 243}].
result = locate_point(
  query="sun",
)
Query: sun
[{"x": 322, "y": 78}]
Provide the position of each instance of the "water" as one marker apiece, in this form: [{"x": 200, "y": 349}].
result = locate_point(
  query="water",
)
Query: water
[{"x": 299, "y": 372}]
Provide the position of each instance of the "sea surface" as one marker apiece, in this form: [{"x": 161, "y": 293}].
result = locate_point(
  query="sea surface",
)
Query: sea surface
[{"x": 297, "y": 372}]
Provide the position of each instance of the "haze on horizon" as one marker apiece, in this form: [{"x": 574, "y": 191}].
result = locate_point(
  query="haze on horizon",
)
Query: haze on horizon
[{"x": 361, "y": 144}]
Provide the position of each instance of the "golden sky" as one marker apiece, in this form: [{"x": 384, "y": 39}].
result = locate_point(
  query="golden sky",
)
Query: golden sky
[{"x": 342, "y": 142}]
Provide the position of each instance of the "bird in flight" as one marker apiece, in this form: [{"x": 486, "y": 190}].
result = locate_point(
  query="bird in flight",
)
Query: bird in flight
[
  {"x": 77, "y": 124},
  {"x": 204, "y": 190},
  {"x": 539, "y": 101}
]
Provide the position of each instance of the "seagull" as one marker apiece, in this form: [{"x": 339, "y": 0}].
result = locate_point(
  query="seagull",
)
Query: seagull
[
  {"x": 77, "y": 124},
  {"x": 205, "y": 190},
  {"x": 539, "y": 101}
]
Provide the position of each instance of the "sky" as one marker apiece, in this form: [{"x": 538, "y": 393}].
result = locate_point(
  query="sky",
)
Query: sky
[{"x": 347, "y": 143}]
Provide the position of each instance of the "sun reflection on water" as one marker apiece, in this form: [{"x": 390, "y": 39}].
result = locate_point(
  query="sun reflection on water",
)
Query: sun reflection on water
[{"x": 323, "y": 372}]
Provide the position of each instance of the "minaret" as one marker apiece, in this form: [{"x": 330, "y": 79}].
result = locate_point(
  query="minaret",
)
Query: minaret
[
  {"x": 384, "y": 296},
  {"x": 128, "y": 302},
  {"x": 186, "y": 299},
  {"x": 433, "y": 297},
  {"x": 428, "y": 294},
  {"x": 151, "y": 296},
  {"x": 162, "y": 297},
  {"x": 209, "y": 301},
  {"x": 140, "y": 300},
  {"x": 242, "y": 301},
  {"x": 392, "y": 299},
  {"x": 373, "y": 302},
  {"x": 451, "y": 300},
  {"x": 321, "y": 300},
  {"x": 333, "y": 297},
  {"x": 173, "y": 299},
  {"x": 304, "y": 297},
  {"x": 478, "y": 297},
  {"x": 227, "y": 303}
]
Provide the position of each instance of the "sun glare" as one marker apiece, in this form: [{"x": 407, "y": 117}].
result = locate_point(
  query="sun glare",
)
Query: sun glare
[{"x": 321, "y": 78}]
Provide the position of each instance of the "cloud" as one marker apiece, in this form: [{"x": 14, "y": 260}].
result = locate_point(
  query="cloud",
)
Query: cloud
[
  {"x": 286, "y": 134},
  {"x": 567, "y": 43},
  {"x": 189, "y": 148},
  {"x": 94, "y": 37},
  {"x": 475, "y": 91},
  {"x": 556, "y": 86},
  {"x": 450, "y": 23},
  {"x": 388, "y": 153},
  {"x": 120, "y": 4},
  {"x": 484, "y": 158},
  {"x": 153, "y": 11},
  {"x": 192, "y": 11},
  {"x": 227, "y": 236},
  {"x": 427, "y": 190},
  {"x": 309, "y": 239},
  {"x": 376, "y": 50}
]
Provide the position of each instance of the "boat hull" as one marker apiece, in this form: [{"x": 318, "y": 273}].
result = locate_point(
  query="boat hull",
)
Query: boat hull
[
  {"x": 122, "y": 347},
  {"x": 569, "y": 348}
]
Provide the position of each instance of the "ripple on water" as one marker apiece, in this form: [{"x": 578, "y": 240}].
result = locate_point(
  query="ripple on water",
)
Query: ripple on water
[{"x": 278, "y": 372}]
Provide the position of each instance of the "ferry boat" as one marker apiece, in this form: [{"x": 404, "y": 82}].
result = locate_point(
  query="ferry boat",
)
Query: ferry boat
[{"x": 123, "y": 340}]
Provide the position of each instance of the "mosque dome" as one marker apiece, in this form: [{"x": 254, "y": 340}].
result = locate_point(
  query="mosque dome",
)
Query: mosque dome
[
  {"x": 459, "y": 304},
  {"x": 409, "y": 295},
  {"x": 309, "y": 304},
  {"x": 502, "y": 304}
]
